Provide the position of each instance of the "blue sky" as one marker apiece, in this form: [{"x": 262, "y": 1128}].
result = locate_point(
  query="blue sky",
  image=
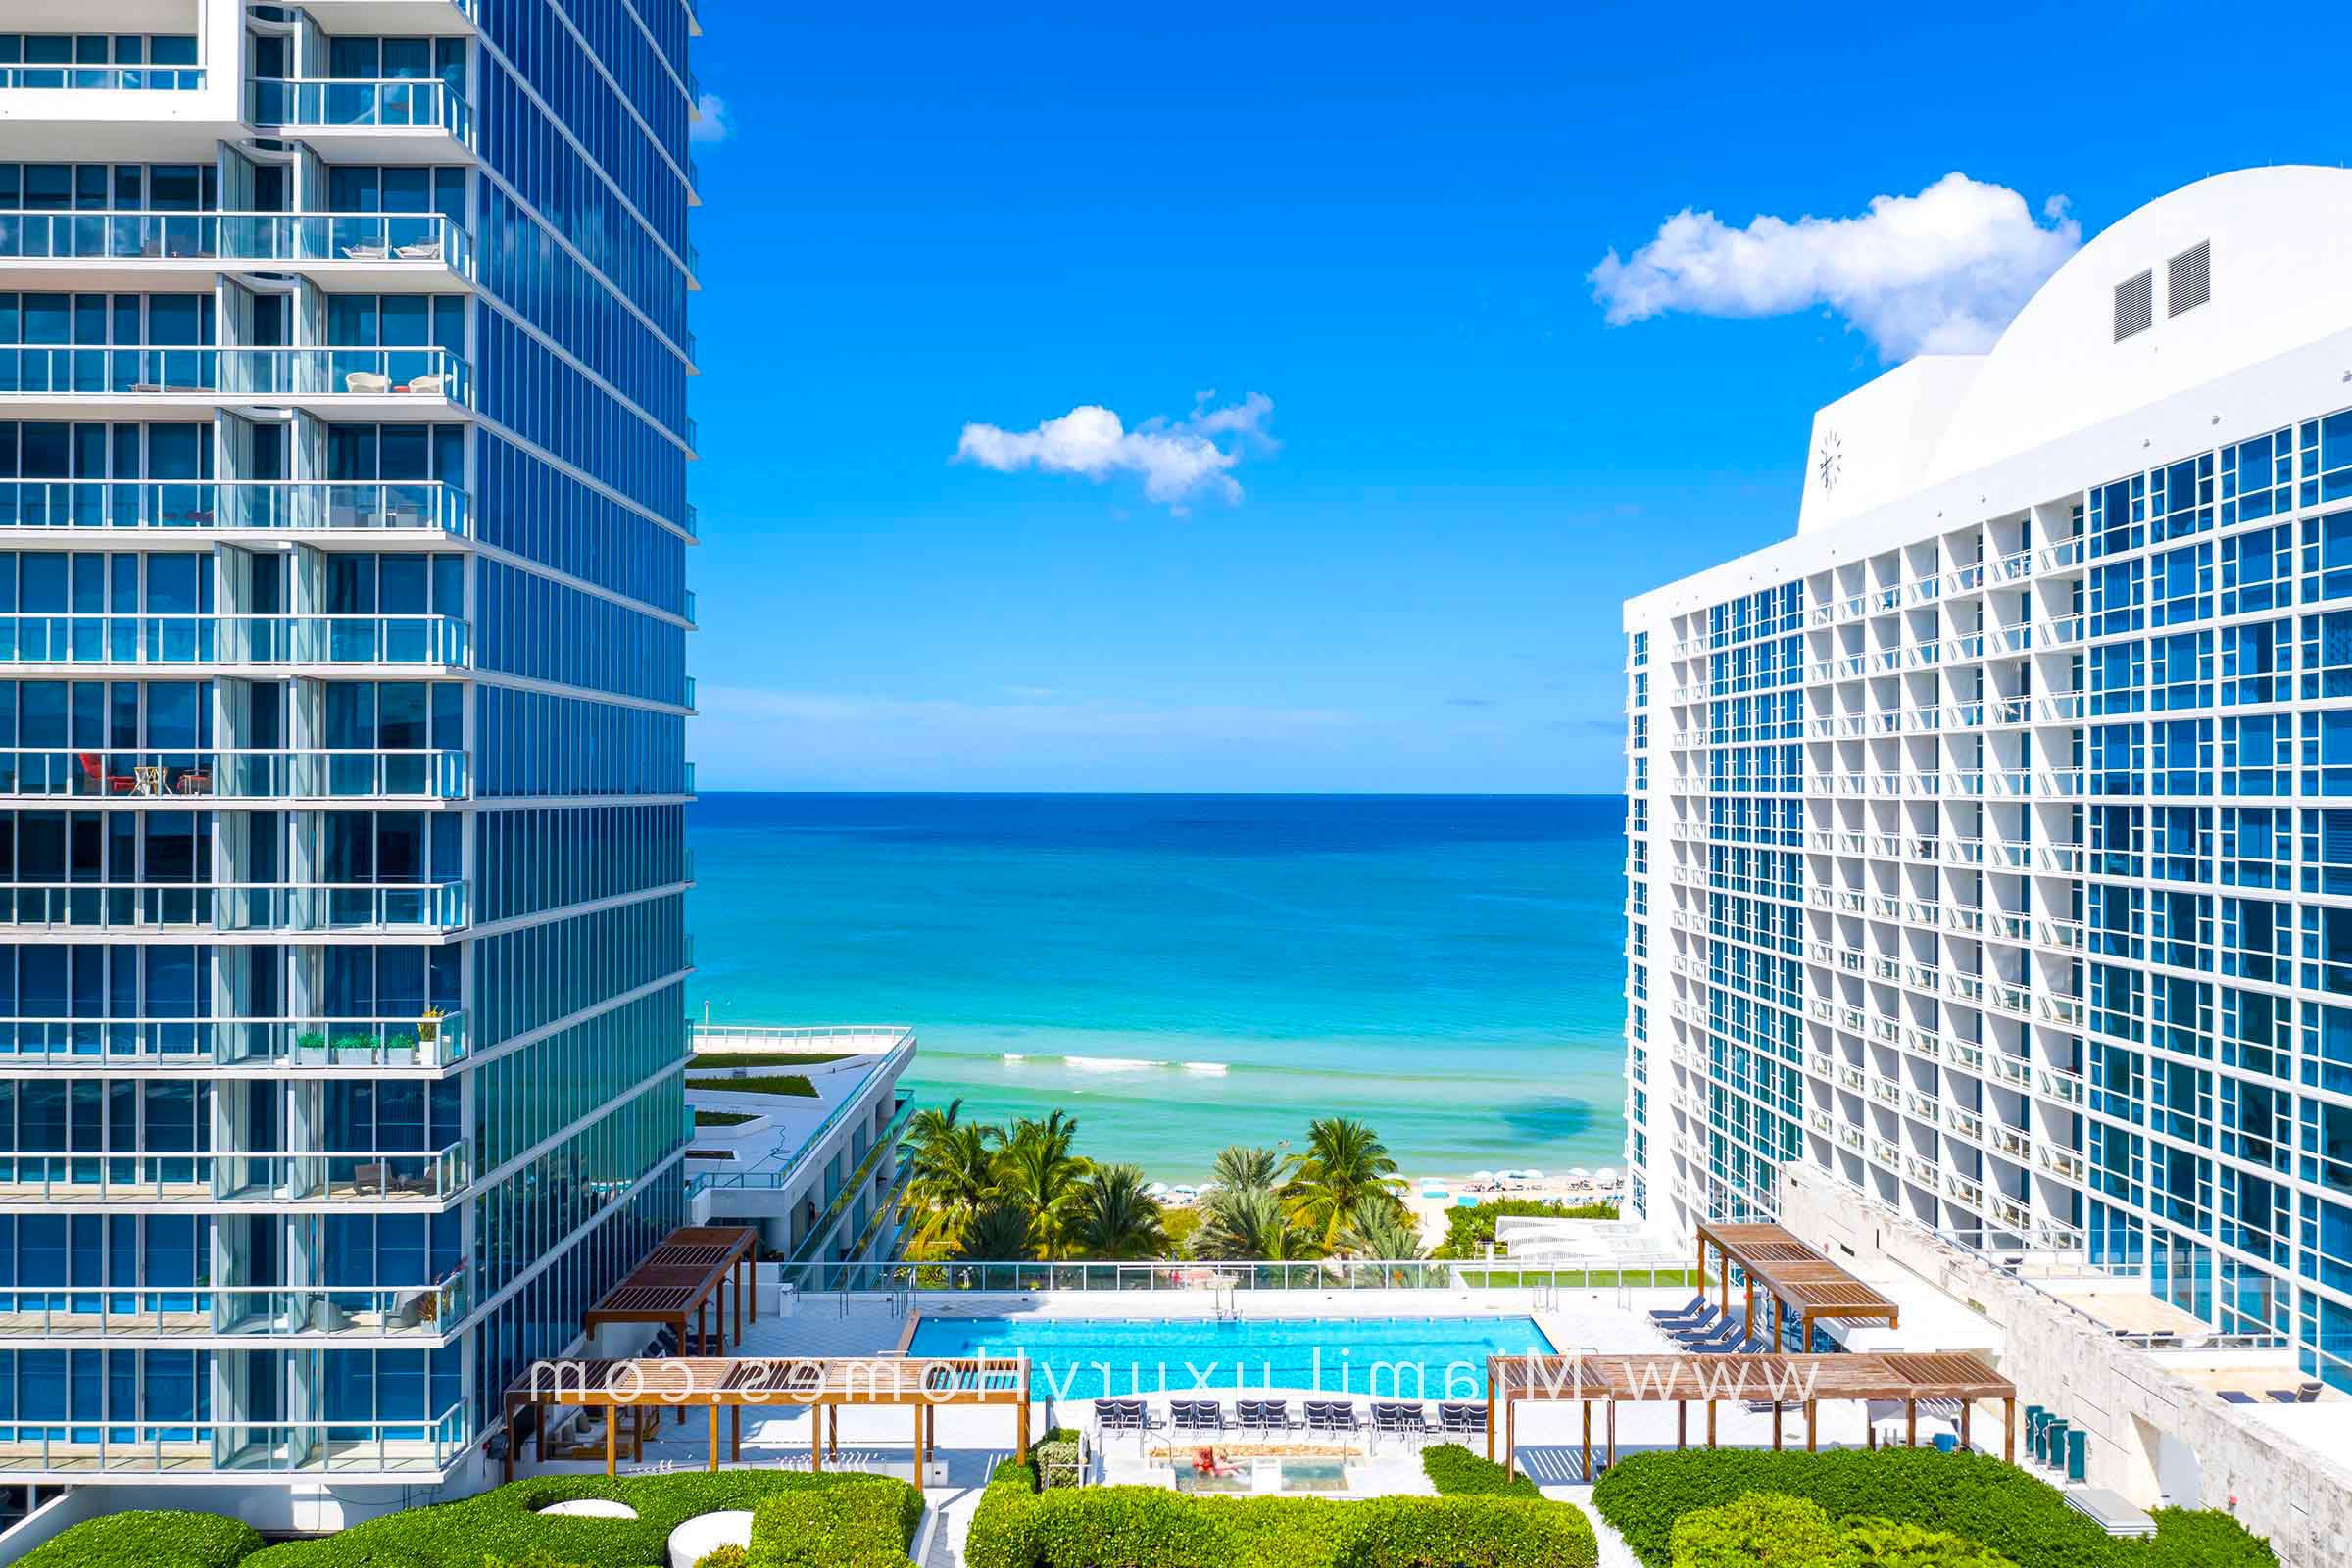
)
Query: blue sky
[{"x": 1400, "y": 568}]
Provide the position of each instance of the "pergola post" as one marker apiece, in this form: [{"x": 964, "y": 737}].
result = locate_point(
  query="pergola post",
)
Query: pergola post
[
  {"x": 1612, "y": 1434},
  {"x": 713, "y": 1436},
  {"x": 1812, "y": 1428},
  {"x": 1911, "y": 1422},
  {"x": 918, "y": 1445},
  {"x": 1967, "y": 1408},
  {"x": 2009, "y": 1431},
  {"x": 1587, "y": 1406},
  {"x": 1710, "y": 1423},
  {"x": 1778, "y": 1323},
  {"x": 1747, "y": 1327},
  {"x": 816, "y": 1439},
  {"x": 832, "y": 1431},
  {"x": 612, "y": 1441},
  {"x": 1776, "y": 1425},
  {"x": 735, "y": 1434},
  {"x": 1020, "y": 1449},
  {"x": 1493, "y": 1383},
  {"x": 510, "y": 1426},
  {"x": 1682, "y": 1423},
  {"x": 1723, "y": 1253}
]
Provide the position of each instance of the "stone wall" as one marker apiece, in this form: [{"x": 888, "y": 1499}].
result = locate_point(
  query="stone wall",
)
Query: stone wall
[{"x": 2144, "y": 1423}]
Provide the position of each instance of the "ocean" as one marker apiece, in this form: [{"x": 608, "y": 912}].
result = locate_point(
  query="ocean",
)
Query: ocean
[{"x": 1184, "y": 971}]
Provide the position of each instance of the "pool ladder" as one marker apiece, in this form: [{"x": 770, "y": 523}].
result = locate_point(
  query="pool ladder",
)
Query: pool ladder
[{"x": 1227, "y": 1303}]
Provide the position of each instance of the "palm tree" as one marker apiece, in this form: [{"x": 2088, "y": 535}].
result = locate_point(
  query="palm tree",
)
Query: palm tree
[
  {"x": 1239, "y": 1166},
  {"x": 954, "y": 1177},
  {"x": 998, "y": 1232},
  {"x": 1036, "y": 1171},
  {"x": 1345, "y": 1164},
  {"x": 1381, "y": 1228},
  {"x": 1249, "y": 1223},
  {"x": 1114, "y": 1218}
]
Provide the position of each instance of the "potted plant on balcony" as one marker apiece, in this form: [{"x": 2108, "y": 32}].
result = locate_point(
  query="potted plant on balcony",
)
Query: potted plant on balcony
[{"x": 428, "y": 1027}]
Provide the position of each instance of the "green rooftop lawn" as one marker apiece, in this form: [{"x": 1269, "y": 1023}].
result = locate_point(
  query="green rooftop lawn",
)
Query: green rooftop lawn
[
  {"x": 771, "y": 1059},
  {"x": 792, "y": 1082},
  {"x": 723, "y": 1119}
]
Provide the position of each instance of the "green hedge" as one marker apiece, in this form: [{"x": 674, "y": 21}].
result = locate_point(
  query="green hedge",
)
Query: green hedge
[
  {"x": 858, "y": 1527},
  {"x": 774, "y": 1083},
  {"x": 1762, "y": 1530},
  {"x": 1885, "y": 1544},
  {"x": 1469, "y": 1230},
  {"x": 1973, "y": 1495},
  {"x": 1015, "y": 1526},
  {"x": 506, "y": 1522},
  {"x": 155, "y": 1539},
  {"x": 1456, "y": 1472}
]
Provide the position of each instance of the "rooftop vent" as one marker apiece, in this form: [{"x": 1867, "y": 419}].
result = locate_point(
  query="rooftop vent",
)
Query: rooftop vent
[
  {"x": 2188, "y": 278},
  {"x": 2134, "y": 305}
]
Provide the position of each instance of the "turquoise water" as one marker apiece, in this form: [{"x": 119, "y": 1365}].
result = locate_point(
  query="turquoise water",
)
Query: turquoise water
[
  {"x": 1182, "y": 972},
  {"x": 1095, "y": 1357}
]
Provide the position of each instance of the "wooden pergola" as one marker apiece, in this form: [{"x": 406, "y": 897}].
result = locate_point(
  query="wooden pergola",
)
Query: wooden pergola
[
  {"x": 682, "y": 1280},
  {"x": 1686, "y": 1380},
  {"x": 1794, "y": 1275},
  {"x": 815, "y": 1384}
]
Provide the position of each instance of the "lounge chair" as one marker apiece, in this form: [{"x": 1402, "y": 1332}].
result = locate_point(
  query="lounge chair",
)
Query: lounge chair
[
  {"x": 1333, "y": 1416},
  {"x": 1694, "y": 1309},
  {"x": 364, "y": 253},
  {"x": 426, "y": 385},
  {"x": 1714, "y": 1328},
  {"x": 1462, "y": 1420},
  {"x": 1400, "y": 1421},
  {"x": 2234, "y": 1397},
  {"x": 1737, "y": 1343},
  {"x": 422, "y": 251},
  {"x": 1196, "y": 1415},
  {"x": 1123, "y": 1415},
  {"x": 367, "y": 382},
  {"x": 1264, "y": 1415}
]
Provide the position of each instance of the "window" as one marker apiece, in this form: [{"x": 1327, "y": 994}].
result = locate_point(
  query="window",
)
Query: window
[
  {"x": 2258, "y": 477},
  {"x": 2326, "y": 460},
  {"x": 2134, "y": 306},
  {"x": 2188, "y": 278}
]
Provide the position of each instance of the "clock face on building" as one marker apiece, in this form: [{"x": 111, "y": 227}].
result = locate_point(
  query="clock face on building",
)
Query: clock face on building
[{"x": 1831, "y": 461}]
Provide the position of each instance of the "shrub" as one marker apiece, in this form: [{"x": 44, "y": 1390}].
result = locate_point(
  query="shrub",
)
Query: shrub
[
  {"x": 729, "y": 1555},
  {"x": 1883, "y": 1543},
  {"x": 1057, "y": 1459},
  {"x": 159, "y": 1538},
  {"x": 1973, "y": 1495},
  {"x": 1456, "y": 1472},
  {"x": 777, "y": 1083},
  {"x": 1147, "y": 1527},
  {"x": 505, "y": 1522},
  {"x": 1766, "y": 1529},
  {"x": 871, "y": 1526}
]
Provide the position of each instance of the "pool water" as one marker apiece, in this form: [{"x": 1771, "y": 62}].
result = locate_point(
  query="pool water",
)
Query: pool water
[{"x": 1095, "y": 1357}]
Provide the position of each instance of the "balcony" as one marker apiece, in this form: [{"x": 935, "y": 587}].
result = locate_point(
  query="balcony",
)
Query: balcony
[
  {"x": 429, "y": 640},
  {"x": 427, "y": 1311},
  {"x": 408, "y": 103},
  {"x": 236, "y": 906},
  {"x": 379, "y": 1176},
  {"x": 411, "y": 374},
  {"x": 397, "y": 241},
  {"x": 420, "y": 504},
  {"x": 2063, "y": 1163},
  {"x": 2010, "y": 1212},
  {"x": 2013, "y": 1141},
  {"x": 262, "y": 775},
  {"x": 102, "y": 78},
  {"x": 74, "y": 1451},
  {"x": 431, "y": 1041}
]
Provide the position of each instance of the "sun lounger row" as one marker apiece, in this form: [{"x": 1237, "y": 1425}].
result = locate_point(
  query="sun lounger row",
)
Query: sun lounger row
[{"x": 1193, "y": 1417}]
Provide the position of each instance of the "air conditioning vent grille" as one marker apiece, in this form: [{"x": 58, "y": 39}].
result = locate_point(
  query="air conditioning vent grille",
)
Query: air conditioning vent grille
[
  {"x": 2188, "y": 278},
  {"x": 2134, "y": 306}
]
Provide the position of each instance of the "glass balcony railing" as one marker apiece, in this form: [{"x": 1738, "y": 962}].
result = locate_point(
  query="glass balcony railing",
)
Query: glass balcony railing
[
  {"x": 428, "y": 239},
  {"x": 237, "y": 907},
  {"x": 417, "y": 1041},
  {"x": 80, "y": 1448},
  {"x": 421, "y": 372},
  {"x": 359, "y": 1311},
  {"x": 268, "y": 775},
  {"x": 224, "y": 504},
  {"x": 408, "y": 103},
  {"x": 324, "y": 1177},
  {"x": 440, "y": 640},
  {"x": 104, "y": 78}
]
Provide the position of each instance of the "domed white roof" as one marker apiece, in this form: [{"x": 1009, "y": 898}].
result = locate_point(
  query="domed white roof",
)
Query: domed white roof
[{"x": 2226, "y": 273}]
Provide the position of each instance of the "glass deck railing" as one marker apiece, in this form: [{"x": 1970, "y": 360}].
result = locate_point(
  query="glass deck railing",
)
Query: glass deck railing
[
  {"x": 80, "y": 1448},
  {"x": 251, "y": 774},
  {"x": 173, "y": 1310},
  {"x": 439, "y": 640},
  {"x": 104, "y": 78},
  {"x": 238, "y": 907},
  {"x": 423, "y": 239},
  {"x": 420, "y": 371},
  {"x": 325, "y": 1176},
  {"x": 320, "y": 1043},
  {"x": 233, "y": 503},
  {"x": 408, "y": 103}
]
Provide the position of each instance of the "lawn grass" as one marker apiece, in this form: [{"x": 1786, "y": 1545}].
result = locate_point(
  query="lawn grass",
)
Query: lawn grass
[
  {"x": 723, "y": 1119},
  {"x": 771, "y": 1059},
  {"x": 1581, "y": 1279},
  {"x": 762, "y": 1084}
]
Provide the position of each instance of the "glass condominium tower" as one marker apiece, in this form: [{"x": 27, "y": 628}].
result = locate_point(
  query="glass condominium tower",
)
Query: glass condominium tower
[
  {"x": 1991, "y": 840},
  {"x": 343, "y": 693}
]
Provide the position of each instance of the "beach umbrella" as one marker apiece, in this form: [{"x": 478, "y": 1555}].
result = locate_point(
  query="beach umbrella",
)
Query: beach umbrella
[
  {"x": 1580, "y": 1171},
  {"x": 1608, "y": 1175},
  {"x": 1482, "y": 1175},
  {"x": 1531, "y": 1174}
]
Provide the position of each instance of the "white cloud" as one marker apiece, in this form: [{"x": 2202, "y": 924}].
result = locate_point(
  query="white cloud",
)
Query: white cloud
[
  {"x": 1176, "y": 459},
  {"x": 709, "y": 121},
  {"x": 1939, "y": 272}
]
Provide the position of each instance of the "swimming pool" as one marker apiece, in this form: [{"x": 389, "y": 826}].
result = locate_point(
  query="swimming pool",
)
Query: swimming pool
[{"x": 1389, "y": 1358}]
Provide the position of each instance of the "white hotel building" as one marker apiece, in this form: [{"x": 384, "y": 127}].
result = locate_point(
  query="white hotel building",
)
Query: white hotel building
[{"x": 1991, "y": 847}]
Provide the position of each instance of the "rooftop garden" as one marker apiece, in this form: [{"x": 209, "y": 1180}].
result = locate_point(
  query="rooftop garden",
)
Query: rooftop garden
[
  {"x": 798, "y": 1521},
  {"x": 757, "y": 1084},
  {"x": 1851, "y": 1508},
  {"x": 723, "y": 1119},
  {"x": 772, "y": 1058}
]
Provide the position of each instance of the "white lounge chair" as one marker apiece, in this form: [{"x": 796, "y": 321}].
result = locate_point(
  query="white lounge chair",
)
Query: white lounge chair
[
  {"x": 428, "y": 385},
  {"x": 367, "y": 381}
]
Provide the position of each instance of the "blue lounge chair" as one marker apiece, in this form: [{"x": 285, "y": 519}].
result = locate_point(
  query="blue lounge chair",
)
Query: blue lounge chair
[
  {"x": 2234, "y": 1397},
  {"x": 1713, "y": 1328},
  {"x": 1689, "y": 1311},
  {"x": 1725, "y": 1337}
]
